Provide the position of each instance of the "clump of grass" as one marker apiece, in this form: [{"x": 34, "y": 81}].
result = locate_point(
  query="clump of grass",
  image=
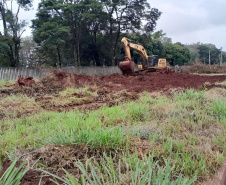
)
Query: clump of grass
[
  {"x": 12, "y": 175},
  {"x": 19, "y": 98},
  {"x": 99, "y": 139},
  {"x": 128, "y": 170},
  {"x": 83, "y": 91},
  {"x": 219, "y": 109},
  {"x": 216, "y": 93},
  {"x": 189, "y": 94},
  {"x": 16, "y": 105},
  {"x": 199, "y": 67},
  {"x": 70, "y": 97},
  {"x": 5, "y": 82},
  {"x": 138, "y": 112},
  {"x": 30, "y": 131}
]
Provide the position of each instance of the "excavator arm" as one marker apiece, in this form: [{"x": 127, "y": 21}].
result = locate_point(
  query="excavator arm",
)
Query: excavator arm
[
  {"x": 137, "y": 47},
  {"x": 127, "y": 66}
]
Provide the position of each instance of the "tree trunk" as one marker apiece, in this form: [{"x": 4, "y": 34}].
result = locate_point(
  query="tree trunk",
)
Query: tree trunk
[
  {"x": 17, "y": 57},
  {"x": 116, "y": 42},
  {"x": 78, "y": 55},
  {"x": 16, "y": 52},
  {"x": 95, "y": 51},
  {"x": 111, "y": 37},
  {"x": 59, "y": 56},
  {"x": 75, "y": 55},
  {"x": 11, "y": 54}
]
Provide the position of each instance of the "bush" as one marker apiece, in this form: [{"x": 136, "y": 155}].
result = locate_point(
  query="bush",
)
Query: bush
[{"x": 199, "y": 67}]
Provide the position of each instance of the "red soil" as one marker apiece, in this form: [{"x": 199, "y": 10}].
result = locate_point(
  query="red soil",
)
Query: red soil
[
  {"x": 160, "y": 82},
  {"x": 151, "y": 81},
  {"x": 139, "y": 82},
  {"x": 27, "y": 81}
]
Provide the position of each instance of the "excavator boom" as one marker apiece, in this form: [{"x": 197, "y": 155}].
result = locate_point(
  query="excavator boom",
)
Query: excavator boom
[{"x": 127, "y": 66}]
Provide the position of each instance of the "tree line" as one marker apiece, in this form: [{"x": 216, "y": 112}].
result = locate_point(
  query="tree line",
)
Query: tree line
[{"x": 88, "y": 32}]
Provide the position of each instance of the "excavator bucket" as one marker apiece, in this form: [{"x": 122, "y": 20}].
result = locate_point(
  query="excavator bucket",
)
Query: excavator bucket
[{"x": 127, "y": 67}]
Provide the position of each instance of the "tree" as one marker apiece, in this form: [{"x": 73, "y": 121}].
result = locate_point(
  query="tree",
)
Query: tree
[
  {"x": 176, "y": 54},
  {"x": 51, "y": 36},
  {"x": 12, "y": 30},
  {"x": 28, "y": 54},
  {"x": 94, "y": 27},
  {"x": 203, "y": 52},
  {"x": 81, "y": 22},
  {"x": 194, "y": 54},
  {"x": 128, "y": 16},
  {"x": 224, "y": 57}
]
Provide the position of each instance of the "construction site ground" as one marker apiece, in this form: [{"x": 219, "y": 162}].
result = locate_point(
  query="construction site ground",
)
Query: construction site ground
[
  {"x": 65, "y": 92},
  {"x": 88, "y": 92}
]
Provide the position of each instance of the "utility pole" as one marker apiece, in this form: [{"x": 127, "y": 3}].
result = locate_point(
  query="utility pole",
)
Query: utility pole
[{"x": 221, "y": 57}]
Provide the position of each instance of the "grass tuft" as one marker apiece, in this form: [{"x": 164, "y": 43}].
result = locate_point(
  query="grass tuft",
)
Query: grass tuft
[
  {"x": 100, "y": 138},
  {"x": 12, "y": 175},
  {"x": 128, "y": 170}
]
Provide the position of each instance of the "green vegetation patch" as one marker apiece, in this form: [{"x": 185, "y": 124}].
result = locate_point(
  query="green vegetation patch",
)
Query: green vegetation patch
[
  {"x": 187, "y": 130},
  {"x": 32, "y": 131},
  {"x": 14, "y": 106},
  {"x": 216, "y": 93},
  {"x": 5, "y": 82}
]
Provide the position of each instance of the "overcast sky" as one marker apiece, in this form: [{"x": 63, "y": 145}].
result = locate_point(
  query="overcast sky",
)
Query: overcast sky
[
  {"x": 185, "y": 21},
  {"x": 191, "y": 21}
]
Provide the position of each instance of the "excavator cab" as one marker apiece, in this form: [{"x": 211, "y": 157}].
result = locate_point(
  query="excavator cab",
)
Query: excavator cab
[{"x": 152, "y": 61}]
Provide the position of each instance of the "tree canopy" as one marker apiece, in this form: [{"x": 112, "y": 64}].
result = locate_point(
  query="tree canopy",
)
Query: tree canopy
[
  {"x": 88, "y": 32},
  {"x": 13, "y": 29}
]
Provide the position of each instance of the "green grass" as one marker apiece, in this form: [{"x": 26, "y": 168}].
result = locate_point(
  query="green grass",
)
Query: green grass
[
  {"x": 12, "y": 175},
  {"x": 32, "y": 130},
  {"x": 68, "y": 92},
  {"x": 5, "y": 82},
  {"x": 98, "y": 138},
  {"x": 129, "y": 169},
  {"x": 187, "y": 130},
  {"x": 14, "y": 106},
  {"x": 19, "y": 98},
  {"x": 219, "y": 110}
]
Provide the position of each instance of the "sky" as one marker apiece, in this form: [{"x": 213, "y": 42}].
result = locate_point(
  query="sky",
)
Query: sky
[
  {"x": 185, "y": 21},
  {"x": 192, "y": 21}
]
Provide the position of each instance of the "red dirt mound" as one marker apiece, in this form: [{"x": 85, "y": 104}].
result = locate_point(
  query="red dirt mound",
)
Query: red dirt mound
[
  {"x": 151, "y": 81},
  {"x": 156, "y": 81},
  {"x": 60, "y": 78},
  {"x": 27, "y": 81},
  {"x": 146, "y": 81}
]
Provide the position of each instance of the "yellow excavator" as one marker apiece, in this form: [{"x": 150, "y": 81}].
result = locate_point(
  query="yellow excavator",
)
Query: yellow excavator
[{"x": 149, "y": 62}]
